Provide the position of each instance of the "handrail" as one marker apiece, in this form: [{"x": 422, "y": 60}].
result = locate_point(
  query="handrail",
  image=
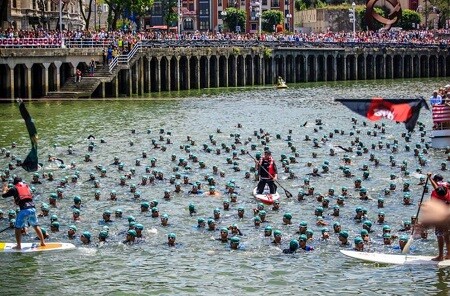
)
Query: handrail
[{"x": 125, "y": 58}]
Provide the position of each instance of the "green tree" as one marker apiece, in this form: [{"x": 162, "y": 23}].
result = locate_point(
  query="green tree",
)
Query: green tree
[
  {"x": 169, "y": 11},
  {"x": 409, "y": 17},
  {"x": 270, "y": 19},
  {"x": 361, "y": 16},
  {"x": 116, "y": 9},
  {"x": 233, "y": 18}
]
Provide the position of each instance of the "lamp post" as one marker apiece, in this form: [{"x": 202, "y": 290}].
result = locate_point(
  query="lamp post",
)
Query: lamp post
[
  {"x": 60, "y": 24},
  {"x": 99, "y": 11},
  {"x": 352, "y": 17},
  {"x": 259, "y": 16},
  {"x": 288, "y": 18},
  {"x": 179, "y": 17}
]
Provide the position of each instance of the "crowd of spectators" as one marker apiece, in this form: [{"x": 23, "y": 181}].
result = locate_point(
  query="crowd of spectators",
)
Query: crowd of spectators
[{"x": 113, "y": 38}]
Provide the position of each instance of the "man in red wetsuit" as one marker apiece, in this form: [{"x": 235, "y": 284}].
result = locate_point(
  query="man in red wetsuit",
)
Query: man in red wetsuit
[
  {"x": 267, "y": 173},
  {"x": 27, "y": 214}
]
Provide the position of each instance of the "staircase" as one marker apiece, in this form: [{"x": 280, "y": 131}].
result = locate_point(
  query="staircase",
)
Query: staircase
[{"x": 88, "y": 84}]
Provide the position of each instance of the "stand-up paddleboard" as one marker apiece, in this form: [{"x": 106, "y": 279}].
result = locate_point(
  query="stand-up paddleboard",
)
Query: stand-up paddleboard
[
  {"x": 34, "y": 247},
  {"x": 266, "y": 197},
  {"x": 396, "y": 259}
]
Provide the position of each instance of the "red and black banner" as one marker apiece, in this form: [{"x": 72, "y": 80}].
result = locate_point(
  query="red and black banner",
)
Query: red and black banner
[{"x": 400, "y": 110}]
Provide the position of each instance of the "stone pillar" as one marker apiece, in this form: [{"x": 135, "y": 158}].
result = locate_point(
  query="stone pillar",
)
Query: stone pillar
[
  {"x": 235, "y": 71},
  {"x": 364, "y": 68},
  {"x": 188, "y": 76},
  {"x": 242, "y": 72},
  {"x": 28, "y": 80},
  {"x": 177, "y": 73},
  {"x": 325, "y": 67},
  {"x": 436, "y": 68},
  {"x": 334, "y": 67},
  {"x": 10, "y": 82},
  {"x": 115, "y": 86},
  {"x": 262, "y": 70},
  {"x": 274, "y": 72},
  {"x": 102, "y": 90},
  {"x": 384, "y": 66},
  {"x": 129, "y": 82},
  {"x": 316, "y": 68},
  {"x": 444, "y": 68},
  {"x": 284, "y": 67},
  {"x": 158, "y": 74},
  {"x": 141, "y": 76},
  {"x": 168, "y": 74},
  {"x": 208, "y": 75},
  {"x": 135, "y": 76},
  {"x": 226, "y": 71},
  {"x": 306, "y": 68},
  {"x": 197, "y": 67},
  {"x": 45, "y": 78},
  {"x": 392, "y": 67},
  {"x": 344, "y": 68},
  {"x": 374, "y": 66},
  {"x": 402, "y": 66},
  {"x": 216, "y": 77},
  {"x": 251, "y": 68},
  {"x": 149, "y": 74},
  {"x": 58, "y": 74},
  {"x": 355, "y": 65}
]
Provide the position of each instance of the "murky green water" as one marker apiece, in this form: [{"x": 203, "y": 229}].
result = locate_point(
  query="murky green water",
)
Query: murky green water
[{"x": 201, "y": 265}]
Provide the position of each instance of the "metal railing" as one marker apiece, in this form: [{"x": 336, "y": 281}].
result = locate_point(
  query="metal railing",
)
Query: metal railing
[{"x": 125, "y": 58}]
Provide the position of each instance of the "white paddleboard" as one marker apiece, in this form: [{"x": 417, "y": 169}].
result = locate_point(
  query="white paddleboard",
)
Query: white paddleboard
[
  {"x": 397, "y": 259},
  {"x": 34, "y": 247},
  {"x": 266, "y": 197}
]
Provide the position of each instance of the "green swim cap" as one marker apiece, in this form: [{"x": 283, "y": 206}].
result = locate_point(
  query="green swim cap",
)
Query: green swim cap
[
  {"x": 364, "y": 232},
  {"x": 262, "y": 213},
  {"x": 118, "y": 211},
  {"x": 309, "y": 231},
  {"x": 303, "y": 224},
  {"x": 367, "y": 223},
  {"x": 319, "y": 209},
  {"x": 216, "y": 210},
  {"x": 287, "y": 216},
  {"x": 145, "y": 204},
  {"x": 139, "y": 226},
  {"x": 53, "y": 218},
  {"x": 277, "y": 232},
  {"x": 293, "y": 244},
  {"x": 76, "y": 199},
  {"x": 131, "y": 219},
  {"x": 403, "y": 238},
  {"x": 107, "y": 213},
  {"x": 343, "y": 234},
  {"x": 210, "y": 221},
  {"x": 53, "y": 196},
  {"x": 165, "y": 216},
  {"x": 386, "y": 227},
  {"x": 103, "y": 234},
  {"x": 200, "y": 220},
  {"x": 303, "y": 237},
  {"x": 154, "y": 209},
  {"x": 171, "y": 235},
  {"x": 325, "y": 230},
  {"x": 132, "y": 232},
  {"x": 358, "y": 240},
  {"x": 73, "y": 227},
  {"x": 268, "y": 228},
  {"x": 235, "y": 239},
  {"x": 256, "y": 218},
  {"x": 55, "y": 224}
]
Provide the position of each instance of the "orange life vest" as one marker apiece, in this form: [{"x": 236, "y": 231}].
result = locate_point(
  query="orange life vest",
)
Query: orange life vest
[{"x": 24, "y": 191}]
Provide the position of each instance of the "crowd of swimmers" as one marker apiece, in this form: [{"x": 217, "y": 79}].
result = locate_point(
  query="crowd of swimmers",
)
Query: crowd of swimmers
[{"x": 57, "y": 184}]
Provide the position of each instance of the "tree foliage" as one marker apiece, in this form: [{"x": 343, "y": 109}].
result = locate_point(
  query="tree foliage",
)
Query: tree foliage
[
  {"x": 169, "y": 9},
  {"x": 233, "y": 18},
  {"x": 361, "y": 17},
  {"x": 118, "y": 8},
  {"x": 409, "y": 17},
  {"x": 270, "y": 19}
]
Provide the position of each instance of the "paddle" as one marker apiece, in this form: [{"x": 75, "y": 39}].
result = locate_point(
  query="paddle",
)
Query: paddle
[
  {"x": 3, "y": 230},
  {"x": 288, "y": 194},
  {"x": 411, "y": 239}
]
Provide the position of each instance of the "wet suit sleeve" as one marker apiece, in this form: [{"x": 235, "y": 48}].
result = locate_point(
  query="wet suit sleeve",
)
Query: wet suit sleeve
[{"x": 30, "y": 164}]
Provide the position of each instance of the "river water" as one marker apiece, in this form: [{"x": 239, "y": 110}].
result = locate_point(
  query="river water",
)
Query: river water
[{"x": 199, "y": 264}]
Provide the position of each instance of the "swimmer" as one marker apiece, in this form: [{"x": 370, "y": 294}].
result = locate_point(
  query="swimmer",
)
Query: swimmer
[{"x": 293, "y": 247}]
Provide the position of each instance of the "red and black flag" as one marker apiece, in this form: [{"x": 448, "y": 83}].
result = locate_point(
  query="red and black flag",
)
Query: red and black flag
[{"x": 400, "y": 110}]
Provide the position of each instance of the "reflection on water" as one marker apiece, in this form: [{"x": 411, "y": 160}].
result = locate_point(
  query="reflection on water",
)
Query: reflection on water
[{"x": 201, "y": 265}]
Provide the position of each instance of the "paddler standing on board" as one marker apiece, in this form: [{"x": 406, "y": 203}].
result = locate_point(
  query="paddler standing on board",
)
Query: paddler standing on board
[
  {"x": 267, "y": 173},
  {"x": 24, "y": 199}
]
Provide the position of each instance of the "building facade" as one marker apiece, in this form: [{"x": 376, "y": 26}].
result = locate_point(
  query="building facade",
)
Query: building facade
[
  {"x": 207, "y": 15},
  {"x": 33, "y": 14}
]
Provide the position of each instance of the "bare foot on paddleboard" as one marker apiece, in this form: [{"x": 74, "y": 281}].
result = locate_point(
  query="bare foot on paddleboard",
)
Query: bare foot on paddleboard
[
  {"x": 438, "y": 258},
  {"x": 16, "y": 248},
  {"x": 42, "y": 244}
]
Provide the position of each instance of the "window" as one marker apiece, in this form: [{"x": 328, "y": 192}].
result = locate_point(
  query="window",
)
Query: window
[
  {"x": 275, "y": 3},
  {"x": 253, "y": 27},
  {"x": 204, "y": 25},
  {"x": 219, "y": 3},
  {"x": 188, "y": 24},
  {"x": 264, "y": 2}
]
